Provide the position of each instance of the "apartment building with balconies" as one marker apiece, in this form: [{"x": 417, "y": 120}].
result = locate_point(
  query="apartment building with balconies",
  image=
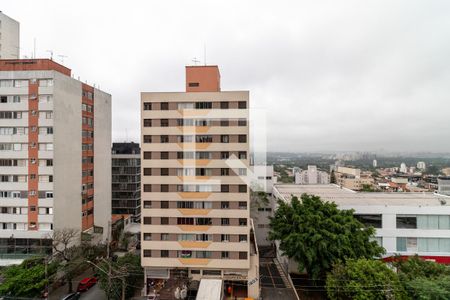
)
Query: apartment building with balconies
[
  {"x": 195, "y": 193},
  {"x": 55, "y": 157}
]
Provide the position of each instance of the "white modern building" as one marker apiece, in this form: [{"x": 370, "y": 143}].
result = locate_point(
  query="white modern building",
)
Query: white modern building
[
  {"x": 421, "y": 165},
  {"x": 262, "y": 179},
  {"x": 9, "y": 37},
  {"x": 405, "y": 223},
  {"x": 403, "y": 168},
  {"x": 55, "y": 157},
  {"x": 311, "y": 176},
  {"x": 374, "y": 163}
]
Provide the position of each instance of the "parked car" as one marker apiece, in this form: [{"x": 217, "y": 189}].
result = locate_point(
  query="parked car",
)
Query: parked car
[
  {"x": 71, "y": 296},
  {"x": 86, "y": 284}
]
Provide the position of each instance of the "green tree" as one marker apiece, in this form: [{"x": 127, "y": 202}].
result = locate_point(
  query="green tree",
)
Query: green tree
[
  {"x": 363, "y": 279},
  {"x": 126, "y": 268},
  {"x": 317, "y": 234}
]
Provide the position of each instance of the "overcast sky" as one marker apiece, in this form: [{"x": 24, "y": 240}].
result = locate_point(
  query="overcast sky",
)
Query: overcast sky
[{"x": 329, "y": 75}]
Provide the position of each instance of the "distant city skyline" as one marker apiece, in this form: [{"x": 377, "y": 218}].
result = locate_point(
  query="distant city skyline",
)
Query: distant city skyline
[{"x": 355, "y": 76}]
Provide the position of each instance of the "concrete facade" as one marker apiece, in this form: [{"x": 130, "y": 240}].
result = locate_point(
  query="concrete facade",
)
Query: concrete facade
[
  {"x": 9, "y": 37},
  {"x": 311, "y": 176}
]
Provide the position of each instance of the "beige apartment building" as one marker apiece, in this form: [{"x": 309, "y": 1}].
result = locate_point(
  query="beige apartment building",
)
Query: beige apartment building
[
  {"x": 195, "y": 198},
  {"x": 352, "y": 179}
]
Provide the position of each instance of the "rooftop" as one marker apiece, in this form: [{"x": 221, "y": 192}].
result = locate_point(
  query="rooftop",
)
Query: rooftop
[
  {"x": 33, "y": 65},
  {"x": 344, "y": 197}
]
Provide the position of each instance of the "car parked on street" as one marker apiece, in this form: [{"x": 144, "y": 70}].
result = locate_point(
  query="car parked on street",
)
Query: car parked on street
[
  {"x": 71, "y": 296},
  {"x": 86, "y": 283}
]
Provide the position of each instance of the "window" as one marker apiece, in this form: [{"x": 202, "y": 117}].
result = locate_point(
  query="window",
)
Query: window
[
  {"x": 242, "y": 188},
  {"x": 224, "y": 205},
  {"x": 147, "y": 155},
  {"x": 242, "y": 122},
  {"x": 164, "y": 123},
  {"x": 185, "y": 105},
  {"x": 147, "y": 253},
  {"x": 147, "y": 122},
  {"x": 147, "y": 188},
  {"x": 224, "y": 155},
  {"x": 147, "y": 204},
  {"x": 164, "y": 155},
  {"x": 242, "y": 205},
  {"x": 243, "y": 172},
  {"x": 147, "y": 138},
  {"x": 224, "y": 172},
  {"x": 147, "y": 220},
  {"x": 242, "y": 105},
  {"x": 225, "y": 238},
  {"x": 242, "y": 238},
  {"x": 242, "y": 255},
  {"x": 164, "y": 105},
  {"x": 242, "y": 155},
  {"x": 224, "y": 123},
  {"x": 224, "y": 105},
  {"x": 224, "y": 188},
  {"x": 164, "y": 204},
  {"x": 407, "y": 244},
  {"x": 242, "y": 138},
  {"x": 147, "y": 106},
  {"x": 164, "y": 188},
  {"x": 194, "y": 84},
  {"x": 164, "y": 253},
  {"x": 147, "y": 236},
  {"x": 405, "y": 221},
  {"x": 225, "y": 255},
  {"x": 225, "y": 222},
  {"x": 370, "y": 220},
  {"x": 242, "y": 222},
  {"x": 164, "y": 172},
  {"x": 164, "y": 139},
  {"x": 164, "y": 221},
  {"x": 165, "y": 236},
  {"x": 224, "y": 139},
  {"x": 203, "y": 105}
]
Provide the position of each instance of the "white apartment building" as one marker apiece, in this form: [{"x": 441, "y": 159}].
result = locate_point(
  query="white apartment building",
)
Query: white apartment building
[
  {"x": 195, "y": 194},
  {"x": 262, "y": 178},
  {"x": 9, "y": 37},
  {"x": 444, "y": 185},
  {"x": 406, "y": 223},
  {"x": 311, "y": 176},
  {"x": 55, "y": 158}
]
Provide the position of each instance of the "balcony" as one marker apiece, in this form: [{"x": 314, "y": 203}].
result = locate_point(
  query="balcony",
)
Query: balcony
[
  {"x": 193, "y": 129},
  {"x": 194, "y": 261},
  {"x": 194, "y": 162},
  {"x": 193, "y": 211},
  {"x": 194, "y": 244},
  {"x": 200, "y": 228},
  {"x": 194, "y": 146},
  {"x": 194, "y": 195}
]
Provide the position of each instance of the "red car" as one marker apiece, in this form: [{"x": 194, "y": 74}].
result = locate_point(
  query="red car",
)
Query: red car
[{"x": 86, "y": 284}]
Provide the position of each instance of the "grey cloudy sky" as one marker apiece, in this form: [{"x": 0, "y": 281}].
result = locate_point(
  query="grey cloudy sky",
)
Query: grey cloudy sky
[{"x": 331, "y": 75}]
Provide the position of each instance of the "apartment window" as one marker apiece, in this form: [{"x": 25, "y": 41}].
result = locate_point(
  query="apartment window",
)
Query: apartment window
[
  {"x": 224, "y": 155},
  {"x": 405, "y": 221},
  {"x": 242, "y": 105},
  {"x": 164, "y": 172},
  {"x": 242, "y": 188},
  {"x": 164, "y": 105},
  {"x": 147, "y": 171},
  {"x": 147, "y": 237},
  {"x": 243, "y": 172},
  {"x": 224, "y": 172},
  {"x": 225, "y": 221},
  {"x": 194, "y": 84},
  {"x": 225, "y": 255},
  {"x": 164, "y": 253},
  {"x": 242, "y": 255},
  {"x": 164, "y": 123},
  {"x": 203, "y": 105},
  {"x": 164, "y": 139},
  {"x": 242, "y": 222},
  {"x": 242, "y": 205},
  {"x": 147, "y": 122},
  {"x": 164, "y": 204},
  {"x": 164, "y": 188},
  {"x": 224, "y": 139},
  {"x": 224, "y": 105},
  {"x": 147, "y": 204},
  {"x": 147, "y": 138},
  {"x": 165, "y": 236},
  {"x": 224, "y": 188},
  {"x": 147, "y": 220},
  {"x": 242, "y": 155},
  {"x": 164, "y": 155},
  {"x": 242, "y": 138},
  {"x": 242, "y": 238},
  {"x": 147, "y": 253},
  {"x": 147, "y": 188},
  {"x": 147, "y": 106},
  {"x": 224, "y": 123},
  {"x": 224, "y": 204},
  {"x": 370, "y": 220},
  {"x": 195, "y": 271},
  {"x": 164, "y": 221},
  {"x": 242, "y": 122}
]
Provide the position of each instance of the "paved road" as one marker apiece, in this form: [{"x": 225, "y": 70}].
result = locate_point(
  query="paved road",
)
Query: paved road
[{"x": 94, "y": 293}]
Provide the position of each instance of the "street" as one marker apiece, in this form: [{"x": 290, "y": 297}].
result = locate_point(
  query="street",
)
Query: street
[{"x": 94, "y": 293}]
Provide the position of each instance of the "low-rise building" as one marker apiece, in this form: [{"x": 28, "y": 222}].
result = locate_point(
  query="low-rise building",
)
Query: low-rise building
[
  {"x": 352, "y": 178},
  {"x": 311, "y": 176}
]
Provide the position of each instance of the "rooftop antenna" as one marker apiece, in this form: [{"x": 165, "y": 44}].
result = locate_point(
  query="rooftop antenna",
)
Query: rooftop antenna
[
  {"x": 51, "y": 54},
  {"x": 195, "y": 61},
  {"x": 62, "y": 58}
]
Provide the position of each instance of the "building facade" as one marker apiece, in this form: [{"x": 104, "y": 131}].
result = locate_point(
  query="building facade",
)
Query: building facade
[
  {"x": 9, "y": 37},
  {"x": 126, "y": 180},
  {"x": 195, "y": 195},
  {"x": 55, "y": 158},
  {"x": 444, "y": 185},
  {"x": 311, "y": 176}
]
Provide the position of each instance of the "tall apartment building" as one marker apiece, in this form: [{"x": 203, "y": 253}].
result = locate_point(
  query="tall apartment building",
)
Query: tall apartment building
[
  {"x": 126, "y": 180},
  {"x": 311, "y": 176},
  {"x": 55, "y": 157},
  {"x": 9, "y": 37},
  {"x": 195, "y": 197}
]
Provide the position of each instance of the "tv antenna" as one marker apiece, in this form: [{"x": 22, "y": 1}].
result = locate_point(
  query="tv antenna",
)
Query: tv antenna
[
  {"x": 51, "y": 54},
  {"x": 62, "y": 58},
  {"x": 195, "y": 61}
]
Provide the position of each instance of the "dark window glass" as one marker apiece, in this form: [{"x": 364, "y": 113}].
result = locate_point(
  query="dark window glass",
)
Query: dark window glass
[
  {"x": 147, "y": 188},
  {"x": 147, "y": 138},
  {"x": 242, "y": 138},
  {"x": 242, "y": 122},
  {"x": 224, "y": 172},
  {"x": 224, "y": 188},
  {"x": 225, "y": 204},
  {"x": 164, "y": 253},
  {"x": 147, "y": 237},
  {"x": 194, "y": 84},
  {"x": 147, "y": 122},
  {"x": 242, "y": 188},
  {"x": 370, "y": 220},
  {"x": 242, "y": 105},
  {"x": 147, "y": 171},
  {"x": 147, "y": 220},
  {"x": 407, "y": 222},
  {"x": 224, "y": 105},
  {"x": 164, "y": 188},
  {"x": 224, "y": 155},
  {"x": 242, "y": 222},
  {"x": 147, "y": 253},
  {"x": 164, "y": 123},
  {"x": 164, "y": 155},
  {"x": 164, "y": 139},
  {"x": 164, "y": 105},
  {"x": 164, "y": 221},
  {"x": 147, "y": 106},
  {"x": 224, "y": 139},
  {"x": 242, "y": 255},
  {"x": 164, "y": 204},
  {"x": 147, "y": 204},
  {"x": 147, "y": 155},
  {"x": 164, "y": 172},
  {"x": 224, "y": 123}
]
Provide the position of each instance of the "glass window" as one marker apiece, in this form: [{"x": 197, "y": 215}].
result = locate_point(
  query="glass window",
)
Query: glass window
[
  {"x": 370, "y": 220},
  {"x": 406, "y": 221}
]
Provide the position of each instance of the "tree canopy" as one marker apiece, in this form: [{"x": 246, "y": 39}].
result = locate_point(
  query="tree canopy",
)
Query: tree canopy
[
  {"x": 316, "y": 234},
  {"x": 362, "y": 279}
]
